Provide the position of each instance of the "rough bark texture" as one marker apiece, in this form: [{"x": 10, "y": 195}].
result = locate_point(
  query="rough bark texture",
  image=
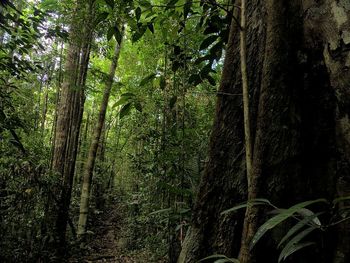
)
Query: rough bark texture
[
  {"x": 223, "y": 183},
  {"x": 329, "y": 23},
  {"x": 69, "y": 116},
  {"x": 298, "y": 62},
  {"x": 89, "y": 168}
]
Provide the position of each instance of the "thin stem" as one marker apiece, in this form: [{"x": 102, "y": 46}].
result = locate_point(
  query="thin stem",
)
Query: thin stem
[
  {"x": 250, "y": 220},
  {"x": 245, "y": 89},
  {"x": 339, "y": 221}
]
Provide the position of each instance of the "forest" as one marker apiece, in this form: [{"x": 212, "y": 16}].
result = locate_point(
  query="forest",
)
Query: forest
[{"x": 175, "y": 131}]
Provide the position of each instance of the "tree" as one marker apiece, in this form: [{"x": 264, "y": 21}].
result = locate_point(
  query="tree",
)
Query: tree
[
  {"x": 69, "y": 116},
  {"x": 299, "y": 107},
  {"x": 89, "y": 167}
]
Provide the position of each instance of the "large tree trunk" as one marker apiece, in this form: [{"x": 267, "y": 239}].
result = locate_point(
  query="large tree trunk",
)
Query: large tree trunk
[
  {"x": 298, "y": 57},
  {"x": 70, "y": 114},
  {"x": 89, "y": 167}
]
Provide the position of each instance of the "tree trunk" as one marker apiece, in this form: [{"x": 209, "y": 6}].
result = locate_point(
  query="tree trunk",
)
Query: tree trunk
[
  {"x": 38, "y": 106},
  {"x": 69, "y": 115},
  {"x": 44, "y": 111},
  {"x": 57, "y": 100},
  {"x": 298, "y": 54},
  {"x": 82, "y": 147},
  {"x": 89, "y": 167}
]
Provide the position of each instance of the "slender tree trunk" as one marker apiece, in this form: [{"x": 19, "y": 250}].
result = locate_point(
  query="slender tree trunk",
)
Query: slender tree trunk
[
  {"x": 82, "y": 148},
  {"x": 38, "y": 106},
  {"x": 57, "y": 100},
  {"x": 88, "y": 170},
  {"x": 249, "y": 225},
  {"x": 113, "y": 172},
  {"x": 44, "y": 111},
  {"x": 102, "y": 144}
]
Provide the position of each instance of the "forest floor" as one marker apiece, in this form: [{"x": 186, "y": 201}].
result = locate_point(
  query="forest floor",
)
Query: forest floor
[
  {"x": 104, "y": 238},
  {"x": 105, "y": 241}
]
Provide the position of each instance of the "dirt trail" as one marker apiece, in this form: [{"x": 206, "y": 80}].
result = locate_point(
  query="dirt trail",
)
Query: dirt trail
[{"x": 102, "y": 241}]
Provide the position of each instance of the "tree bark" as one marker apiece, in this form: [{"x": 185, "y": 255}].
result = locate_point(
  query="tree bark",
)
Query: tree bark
[
  {"x": 69, "y": 117},
  {"x": 57, "y": 100},
  {"x": 82, "y": 147},
  {"x": 298, "y": 57},
  {"x": 89, "y": 167}
]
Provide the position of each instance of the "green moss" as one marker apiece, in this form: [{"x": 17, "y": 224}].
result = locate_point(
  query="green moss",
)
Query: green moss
[{"x": 339, "y": 13}]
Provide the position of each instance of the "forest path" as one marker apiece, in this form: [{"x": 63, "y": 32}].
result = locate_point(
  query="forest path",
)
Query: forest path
[{"x": 103, "y": 239}]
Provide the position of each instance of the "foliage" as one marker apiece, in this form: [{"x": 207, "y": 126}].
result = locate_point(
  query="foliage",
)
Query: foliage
[
  {"x": 220, "y": 259},
  {"x": 305, "y": 222},
  {"x": 24, "y": 186},
  {"x": 155, "y": 137}
]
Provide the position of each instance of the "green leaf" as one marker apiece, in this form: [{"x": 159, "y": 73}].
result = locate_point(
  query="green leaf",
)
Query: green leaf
[
  {"x": 138, "y": 13},
  {"x": 125, "y": 110},
  {"x": 9, "y": 4},
  {"x": 101, "y": 17},
  {"x": 220, "y": 259},
  {"x": 223, "y": 260},
  {"x": 166, "y": 210},
  {"x": 184, "y": 210},
  {"x": 293, "y": 243},
  {"x": 118, "y": 35},
  {"x": 122, "y": 101},
  {"x": 147, "y": 79},
  {"x": 208, "y": 41},
  {"x": 110, "y": 33},
  {"x": 297, "y": 227},
  {"x": 149, "y": 14},
  {"x": 257, "y": 201},
  {"x": 308, "y": 213},
  {"x": 118, "y": 85},
  {"x": 279, "y": 218},
  {"x": 139, "y": 33},
  {"x": 171, "y": 4},
  {"x": 145, "y": 4},
  {"x": 150, "y": 27},
  {"x": 211, "y": 80},
  {"x": 295, "y": 248}
]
